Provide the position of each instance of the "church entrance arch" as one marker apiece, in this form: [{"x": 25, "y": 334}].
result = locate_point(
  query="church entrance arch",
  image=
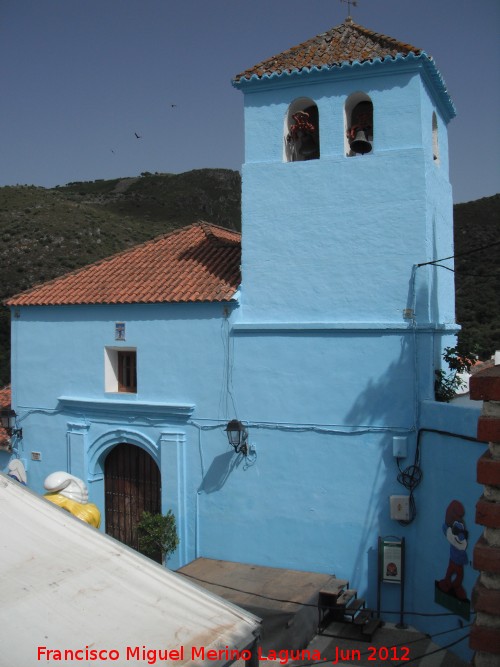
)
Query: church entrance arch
[{"x": 132, "y": 485}]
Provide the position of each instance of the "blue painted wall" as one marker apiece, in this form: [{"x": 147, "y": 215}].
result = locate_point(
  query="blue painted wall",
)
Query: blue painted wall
[
  {"x": 336, "y": 238},
  {"x": 315, "y": 356}
]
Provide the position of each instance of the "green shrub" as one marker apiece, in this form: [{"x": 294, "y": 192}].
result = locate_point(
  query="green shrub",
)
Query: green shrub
[
  {"x": 459, "y": 360},
  {"x": 157, "y": 535}
]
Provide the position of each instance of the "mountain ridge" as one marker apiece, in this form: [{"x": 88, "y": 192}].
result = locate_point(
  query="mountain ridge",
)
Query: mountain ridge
[{"x": 47, "y": 232}]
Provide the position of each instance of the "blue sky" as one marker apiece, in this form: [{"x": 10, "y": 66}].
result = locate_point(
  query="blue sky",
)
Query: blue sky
[{"x": 79, "y": 77}]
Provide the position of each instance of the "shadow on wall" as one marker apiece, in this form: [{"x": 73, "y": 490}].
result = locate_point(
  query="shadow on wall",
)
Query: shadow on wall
[
  {"x": 388, "y": 405},
  {"x": 218, "y": 473},
  {"x": 390, "y": 399}
]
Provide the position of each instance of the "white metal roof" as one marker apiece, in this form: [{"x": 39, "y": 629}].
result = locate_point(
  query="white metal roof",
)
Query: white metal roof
[{"x": 65, "y": 586}]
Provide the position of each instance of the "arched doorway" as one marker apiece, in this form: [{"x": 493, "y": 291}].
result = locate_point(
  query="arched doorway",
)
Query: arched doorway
[{"x": 132, "y": 485}]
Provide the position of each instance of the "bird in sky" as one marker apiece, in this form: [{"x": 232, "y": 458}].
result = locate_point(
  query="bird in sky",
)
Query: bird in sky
[{"x": 138, "y": 136}]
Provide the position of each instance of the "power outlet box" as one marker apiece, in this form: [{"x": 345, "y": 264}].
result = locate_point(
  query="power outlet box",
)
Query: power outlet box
[
  {"x": 400, "y": 508},
  {"x": 400, "y": 446}
]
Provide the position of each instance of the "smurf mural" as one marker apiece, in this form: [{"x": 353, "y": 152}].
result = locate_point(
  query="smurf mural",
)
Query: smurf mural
[
  {"x": 450, "y": 592},
  {"x": 70, "y": 493}
]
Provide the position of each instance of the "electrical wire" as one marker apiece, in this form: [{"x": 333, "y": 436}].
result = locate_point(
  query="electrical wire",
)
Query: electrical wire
[
  {"x": 410, "y": 478},
  {"x": 461, "y": 254},
  {"x": 307, "y": 604},
  {"x": 424, "y": 635},
  {"x": 411, "y": 641},
  {"x": 437, "y": 650},
  {"x": 325, "y": 659},
  {"x": 403, "y": 644},
  {"x": 332, "y": 429},
  {"x": 462, "y": 273}
]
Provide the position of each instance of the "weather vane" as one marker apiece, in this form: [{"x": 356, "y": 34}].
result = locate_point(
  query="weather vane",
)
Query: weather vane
[{"x": 354, "y": 3}]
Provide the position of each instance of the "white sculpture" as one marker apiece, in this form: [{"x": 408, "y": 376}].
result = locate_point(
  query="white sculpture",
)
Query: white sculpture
[
  {"x": 70, "y": 493},
  {"x": 67, "y": 485}
]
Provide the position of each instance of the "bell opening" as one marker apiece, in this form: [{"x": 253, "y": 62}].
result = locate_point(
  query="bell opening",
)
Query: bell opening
[
  {"x": 359, "y": 117},
  {"x": 302, "y": 131}
]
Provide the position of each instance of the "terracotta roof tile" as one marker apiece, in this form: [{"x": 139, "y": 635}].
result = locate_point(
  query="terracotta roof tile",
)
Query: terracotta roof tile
[
  {"x": 5, "y": 402},
  {"x": 196, "y": 263},
  {"x": 5, "y": 397},
  {"x": 347, "y": 42}
]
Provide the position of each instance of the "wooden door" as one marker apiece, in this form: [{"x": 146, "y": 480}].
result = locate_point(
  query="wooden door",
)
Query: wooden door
[{"x": 132, "y": 486}]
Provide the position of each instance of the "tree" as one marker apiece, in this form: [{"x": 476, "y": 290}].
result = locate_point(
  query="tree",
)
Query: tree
[{"x": 459, "y": 360}]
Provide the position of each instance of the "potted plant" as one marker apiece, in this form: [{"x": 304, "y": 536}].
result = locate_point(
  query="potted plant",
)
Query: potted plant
[{"x": 157, "y": 535}]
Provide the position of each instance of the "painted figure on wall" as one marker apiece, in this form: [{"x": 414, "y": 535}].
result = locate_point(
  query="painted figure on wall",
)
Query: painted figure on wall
[
  {"x": 70, "y": 493},
  {"x": 456, "y": 534}
]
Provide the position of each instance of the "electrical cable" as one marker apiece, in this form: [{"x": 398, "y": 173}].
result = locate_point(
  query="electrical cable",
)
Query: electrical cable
[
  {"x": 410, "y": 478},
  {"x": 461, "y": 254},
  {"x": 305, "y": 604},
  {"x": 335, "y": 429},
  {"x": 412, "y": 641},
  {"x": 399, "y": 664},
  {"x": 462, "y": 273},
  {"x": 323, "y": 659},
  {"x": 437, "y": 650}
]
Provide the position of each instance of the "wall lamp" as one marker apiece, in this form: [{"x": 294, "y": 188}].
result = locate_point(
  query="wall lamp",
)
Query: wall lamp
[
  {"x": 8, "y": 419},
  {"x": 237, "y": 436}
]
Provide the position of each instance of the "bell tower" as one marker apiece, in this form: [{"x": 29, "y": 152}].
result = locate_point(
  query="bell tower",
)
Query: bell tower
[{"x": 345, "y": 185}]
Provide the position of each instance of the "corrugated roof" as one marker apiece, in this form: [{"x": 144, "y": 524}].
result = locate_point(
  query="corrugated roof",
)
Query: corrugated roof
[
  {"x": 347, "y": 42},
  {"x": 75, "y": 588},
  {"x": 196, "y": 263}
]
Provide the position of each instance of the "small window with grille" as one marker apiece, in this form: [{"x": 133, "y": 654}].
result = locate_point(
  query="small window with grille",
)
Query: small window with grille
[
  {"x": 127, "y": 371},
  {"x": 120, "y": 370}
]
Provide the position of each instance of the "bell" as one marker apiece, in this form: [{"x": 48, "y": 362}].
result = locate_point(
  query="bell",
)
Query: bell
[
  {"x": 306, "y": 147},
  {"x": 360, "y": 143}
]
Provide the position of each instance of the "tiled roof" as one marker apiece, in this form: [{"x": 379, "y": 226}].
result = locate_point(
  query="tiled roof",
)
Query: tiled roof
[
  {"x": 345, "y": 43},
  {"x": 345, "y": 46},
  {"x": 196, "y": 263},
  {"x": 5, "y": 397},
  {"x": 5, "y": 401}
]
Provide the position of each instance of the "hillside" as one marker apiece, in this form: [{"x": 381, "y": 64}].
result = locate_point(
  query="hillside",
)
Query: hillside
[
  {"x": 477, "y": 274},
  {"x": 48, "y": 232}
]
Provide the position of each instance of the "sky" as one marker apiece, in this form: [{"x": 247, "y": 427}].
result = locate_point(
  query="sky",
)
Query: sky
[{"x": 80, "y": 78}]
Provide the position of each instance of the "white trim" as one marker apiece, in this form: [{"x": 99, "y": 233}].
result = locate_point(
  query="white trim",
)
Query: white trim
[{"x": 125, "y": 404}]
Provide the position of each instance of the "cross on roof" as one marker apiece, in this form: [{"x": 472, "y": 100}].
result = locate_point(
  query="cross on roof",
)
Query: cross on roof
[{"x": 354, "y": 3}]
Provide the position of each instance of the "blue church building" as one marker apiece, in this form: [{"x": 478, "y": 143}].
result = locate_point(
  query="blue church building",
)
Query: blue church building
[{"x": 312, "y": 340}]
